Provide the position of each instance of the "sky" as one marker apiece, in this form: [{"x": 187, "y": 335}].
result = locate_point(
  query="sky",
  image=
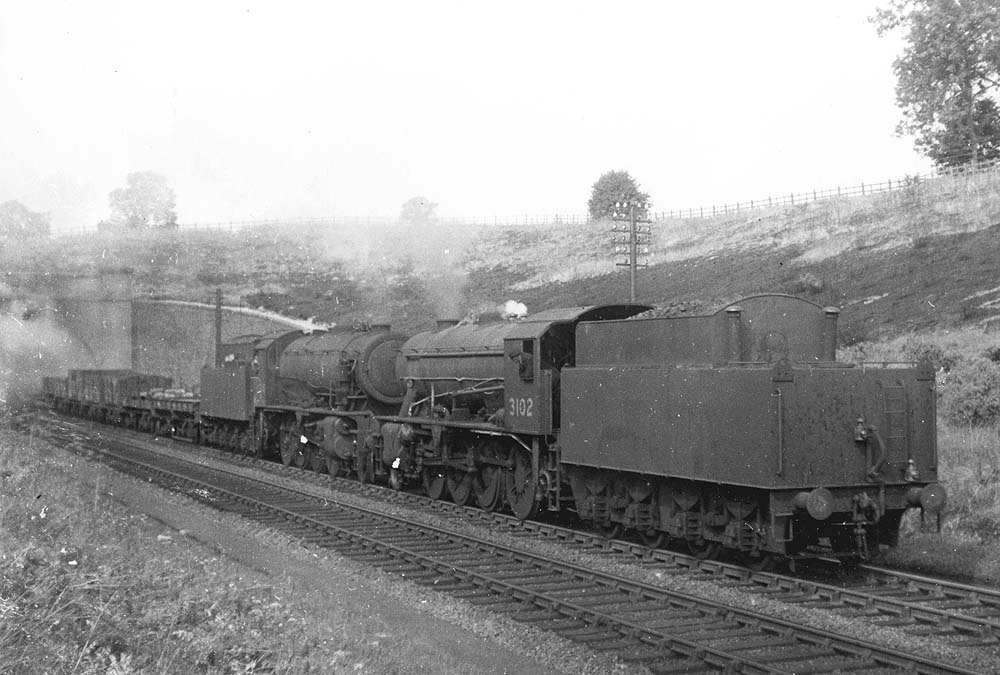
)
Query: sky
[{"x": 257, "y": 110}]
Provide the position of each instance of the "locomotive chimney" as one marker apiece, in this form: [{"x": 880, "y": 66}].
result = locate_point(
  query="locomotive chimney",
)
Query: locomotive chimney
[
  {"x": 446, "y": 323},
  {"x": 734, "y": 338},
  {"x": 829, "y": 346}
]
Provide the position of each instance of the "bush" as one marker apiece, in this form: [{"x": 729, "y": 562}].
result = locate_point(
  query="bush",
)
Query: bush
[
  {"x": 971, "y": 393},
  {"x": 941, "y": 358}
]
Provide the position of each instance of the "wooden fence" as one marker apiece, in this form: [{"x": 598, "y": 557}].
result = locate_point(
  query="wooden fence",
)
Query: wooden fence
[{"x": 914, "y": 183}]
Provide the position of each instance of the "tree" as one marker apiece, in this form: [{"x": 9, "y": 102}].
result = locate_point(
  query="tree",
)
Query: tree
[
  {"x": 616, "y": 187},
  {"x": 147, "y": 202},
  {"x": 947, "y": 76},
  {"x": 18, "y": 222},
  {"x": 418, "y": 211}
]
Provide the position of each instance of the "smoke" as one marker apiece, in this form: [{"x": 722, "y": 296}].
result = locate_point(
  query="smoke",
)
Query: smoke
[
  {"x": 33, "y": 345},
  {"x": 434, "y": 251},
  {"x": 513, "y": 309}
]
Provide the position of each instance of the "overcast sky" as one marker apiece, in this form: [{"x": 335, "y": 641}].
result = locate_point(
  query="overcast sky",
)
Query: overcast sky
[{"x": 266, "y": 110}]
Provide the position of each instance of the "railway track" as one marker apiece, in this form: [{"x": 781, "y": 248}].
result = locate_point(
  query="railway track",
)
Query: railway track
[
  {"x": 960, "y": 614},
  {"x": 665, "y": 630}
]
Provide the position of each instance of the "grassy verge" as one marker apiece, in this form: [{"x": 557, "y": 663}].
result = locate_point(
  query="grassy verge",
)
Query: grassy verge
[
  {"x": 88, "y": 587},
  {"x": 969, "y": 542}
]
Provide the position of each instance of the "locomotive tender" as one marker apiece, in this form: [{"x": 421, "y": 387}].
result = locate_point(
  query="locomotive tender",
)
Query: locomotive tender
[{"x": 734, "y": 431}]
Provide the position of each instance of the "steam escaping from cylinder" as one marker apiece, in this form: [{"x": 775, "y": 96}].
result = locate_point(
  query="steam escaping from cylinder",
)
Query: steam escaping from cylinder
[{"x": 513, "y": 309}]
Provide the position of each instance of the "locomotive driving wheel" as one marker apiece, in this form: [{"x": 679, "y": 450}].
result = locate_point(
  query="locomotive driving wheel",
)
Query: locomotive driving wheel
[
  {"x": 522, "y": 488},
  {"x": 334, "y": 465},
  {"x": 460, "y": 486},
  {"x": 435, "y": 483},
  {"x": 488, "y": 482},
  {"x": 317, "y": 460}
]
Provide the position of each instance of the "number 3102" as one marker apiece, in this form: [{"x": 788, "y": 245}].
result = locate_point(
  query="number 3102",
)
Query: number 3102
[{"x": 521, "y": 407}]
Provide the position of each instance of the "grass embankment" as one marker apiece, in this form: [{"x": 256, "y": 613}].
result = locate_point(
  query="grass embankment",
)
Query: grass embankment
[
  {"x": 87, "y": 586},
  {"x": 968, "y": 385}
]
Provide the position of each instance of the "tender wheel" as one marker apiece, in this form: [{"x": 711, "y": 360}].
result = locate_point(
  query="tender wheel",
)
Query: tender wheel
[
  {"x": 703, "y": 549},
  {"x": 761, "y": 562},
  {"x": 460, "y": 486},
  {"x": 654, "y": 538},
  {"x": 522, "y": 487},
  {"x": 434, "y": 483},
  {"x": 612, "y": 530}
]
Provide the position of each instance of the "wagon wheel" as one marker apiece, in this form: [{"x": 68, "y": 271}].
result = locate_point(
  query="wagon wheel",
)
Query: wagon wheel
[
  {"x": 246, "y": 447},
  {"x": 434, "y": 482},
  {"x": 488, "y": 482},
  {"x": 334, "y": 465},
  {"x": 460, "y": 486},
  {"x": 289, "y": 445},
  {"x": 522, "y": 487}
]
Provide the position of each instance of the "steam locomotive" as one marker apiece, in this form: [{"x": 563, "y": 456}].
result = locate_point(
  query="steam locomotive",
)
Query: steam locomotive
[{"x": 736, "y": 431}]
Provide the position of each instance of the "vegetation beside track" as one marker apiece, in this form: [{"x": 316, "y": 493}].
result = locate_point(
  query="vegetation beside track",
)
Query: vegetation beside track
[{"x": 87, "y": 586}]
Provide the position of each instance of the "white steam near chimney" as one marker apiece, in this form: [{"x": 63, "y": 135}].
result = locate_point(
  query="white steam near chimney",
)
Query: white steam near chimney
[{"x": 515, "y": 310}]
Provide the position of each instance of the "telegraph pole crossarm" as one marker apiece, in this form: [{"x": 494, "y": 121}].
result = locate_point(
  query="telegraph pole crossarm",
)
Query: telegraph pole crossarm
[{"x": 637, "y": 233}]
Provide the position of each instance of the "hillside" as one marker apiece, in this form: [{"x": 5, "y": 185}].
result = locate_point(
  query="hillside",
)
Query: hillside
[{"x": 924, "y": 257}]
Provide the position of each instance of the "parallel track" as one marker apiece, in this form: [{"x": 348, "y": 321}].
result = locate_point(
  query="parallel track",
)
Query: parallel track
[
  {"x": 962, "y": 614},
  {"x": 666, "y": 630}
]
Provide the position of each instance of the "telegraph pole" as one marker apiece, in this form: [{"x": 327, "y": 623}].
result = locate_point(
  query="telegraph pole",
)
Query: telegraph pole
[{"x": 636, "y": 233}]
